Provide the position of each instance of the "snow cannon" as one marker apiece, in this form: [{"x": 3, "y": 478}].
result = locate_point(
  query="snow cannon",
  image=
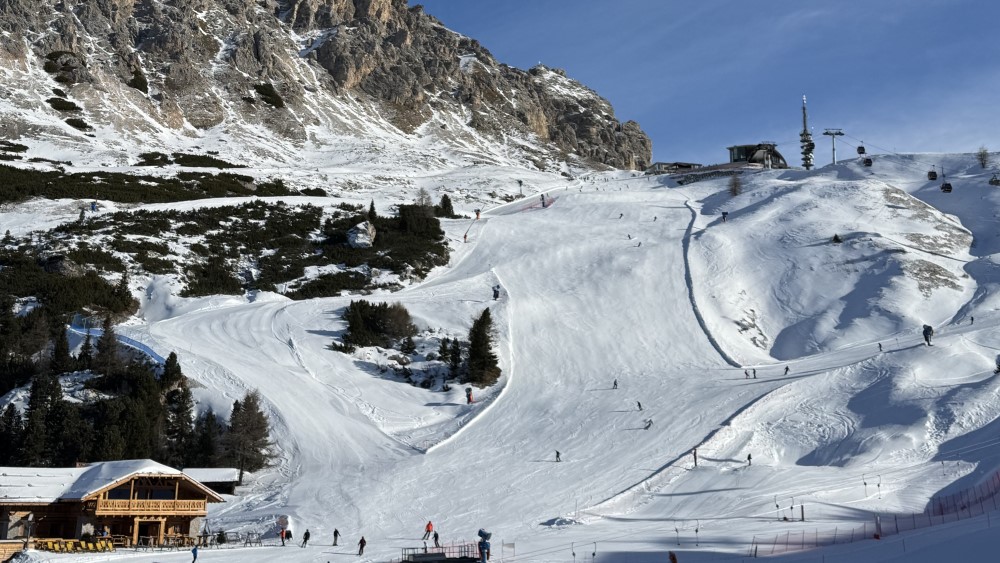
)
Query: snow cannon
[{"x": 484, "y": 545}]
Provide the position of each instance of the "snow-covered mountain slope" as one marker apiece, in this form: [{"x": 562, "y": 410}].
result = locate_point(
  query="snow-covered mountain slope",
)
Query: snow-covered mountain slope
[{"x": 639, "y": 280}]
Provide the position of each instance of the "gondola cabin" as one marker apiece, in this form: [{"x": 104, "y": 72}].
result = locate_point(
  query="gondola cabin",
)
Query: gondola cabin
[
  {"x": 861, "y": 149},
  {"x": 946, "y": 187},
  {"x": 868, "y": 161},
  {"x": 931, "y": 175}
]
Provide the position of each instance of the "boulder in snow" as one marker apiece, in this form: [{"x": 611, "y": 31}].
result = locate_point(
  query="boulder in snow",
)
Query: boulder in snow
[{"x": 361, "y": 235}]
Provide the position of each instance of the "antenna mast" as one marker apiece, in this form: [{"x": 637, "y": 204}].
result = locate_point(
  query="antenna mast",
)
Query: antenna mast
[{"x": 806, "y": 139}]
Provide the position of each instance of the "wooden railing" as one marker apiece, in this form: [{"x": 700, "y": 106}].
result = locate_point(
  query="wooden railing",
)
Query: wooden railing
[{"x": 148, "y": 506}]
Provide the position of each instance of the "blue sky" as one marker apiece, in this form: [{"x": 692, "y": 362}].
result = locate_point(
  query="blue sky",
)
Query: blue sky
[{"x": 903, "y": 75}]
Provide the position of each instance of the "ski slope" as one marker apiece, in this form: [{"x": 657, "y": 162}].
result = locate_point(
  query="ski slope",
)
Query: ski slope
[{"x": 639, "y": 280}]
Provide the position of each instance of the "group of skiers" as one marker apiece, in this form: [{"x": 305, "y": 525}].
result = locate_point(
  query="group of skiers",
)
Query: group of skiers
[
  {"x": 752, "y": 372},
  {"x": 286, "y": 536}
]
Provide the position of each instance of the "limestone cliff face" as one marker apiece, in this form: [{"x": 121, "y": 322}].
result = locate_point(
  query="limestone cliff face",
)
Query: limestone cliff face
[{"x": 209, "y": 63}]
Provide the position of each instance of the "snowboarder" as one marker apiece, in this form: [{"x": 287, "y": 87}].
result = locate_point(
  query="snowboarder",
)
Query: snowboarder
[
  {"x": 468, "y": 396},
  {"x": 428, "y": 529},
  {"x": 477, "y": 214},
  {"x": 638, "y": 404},
  {"x": 558, "y": 457},
  {"x": 972, "y": 320},
  {"x": 436, "y": 542},
  {"x": 746, "y": 374},
  {"x": 654, "y": 218},
  {"x": 305, "y": 538},
  {"x": 786, "y": 370},
  {"x": 336, "y": 536},
  {"x": 928, "y": 333},
  {"x": 194, "y": 554},
  {"x": 648, "y": 424},
  {"x": 749, "y": 460},
  {"x": 282, "y": 534},
  {"x": 755, "y": 373},
  {"x": 879, "y": 346},
  {"x": 465, "y": 237},
  {"x": 638, "y": 245},
  {"x": 496, "y": 292},
  {"x": 620, "y": 215},
  {"x": 361, "y": 546},
  {"x": 615, "y": 384},
  {"x": 629, "y": 236}
]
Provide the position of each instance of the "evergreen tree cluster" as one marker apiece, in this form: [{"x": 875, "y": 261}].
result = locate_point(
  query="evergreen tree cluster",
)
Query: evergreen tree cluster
[
  {"x": 138, "y": 416},
  {"x": 377, "y": 324}
]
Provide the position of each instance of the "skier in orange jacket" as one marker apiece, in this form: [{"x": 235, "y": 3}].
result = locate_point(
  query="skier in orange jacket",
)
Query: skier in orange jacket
[{"x": 428, "y": 529}]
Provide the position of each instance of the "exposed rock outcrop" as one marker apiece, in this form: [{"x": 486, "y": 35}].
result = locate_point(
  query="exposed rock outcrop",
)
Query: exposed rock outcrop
[{"x": 198, "y": 62}]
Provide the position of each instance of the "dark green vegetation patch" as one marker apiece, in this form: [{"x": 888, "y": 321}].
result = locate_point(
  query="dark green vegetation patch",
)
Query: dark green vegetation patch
[
  {"x": 78, "y": 124},
  {"x": 278, "y": 240},
  {"x": 18, "y": 184}
]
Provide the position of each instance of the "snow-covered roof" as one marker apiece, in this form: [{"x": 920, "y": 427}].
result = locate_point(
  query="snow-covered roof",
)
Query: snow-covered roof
[
  {"x": 213, "y": 474},
  {"x": 51, "y": 484}
]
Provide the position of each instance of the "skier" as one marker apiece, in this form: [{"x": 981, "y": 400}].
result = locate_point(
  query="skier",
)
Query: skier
[
  {"x": 695, "y": 453},
  {"x": 436, "y": 542},
  {"x": 648, "y": 424},
  {"x": 615, "y": 384},
  {"x": 629, "y": 236},
  {"x": 194, "y": 554},
  {"x": 465, "y": 237},
  {"x": 746, "y": 374},
  {"x": 749, "y": 460},
  {"x": 972, "y": 320},
  {"x": 638, "y": 404},
  {"x": 879, "y": 346},
  {"x": 282, "y": 534},
  {"x": 654, "y": 218},
  {"x": 468, "y": 396},
  {"x": 755, "y": 373},
  {"x": 928, "y": 333},
  {"x": 620, "y": 215},
  {"x": 638, "y": 245},
  {"x": 558, "y": 457},
  {"x": 336, "y": 536},
  {"x": 496, "y": 292},
  {"x": 361, "y": 546},
  {"x": 786, "y": 370},
  {"x": 305, "y": 538},
  {"x": 428, "y": 529}
]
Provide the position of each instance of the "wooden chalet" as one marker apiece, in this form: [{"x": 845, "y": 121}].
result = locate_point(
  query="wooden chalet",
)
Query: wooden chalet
[{"x": 132, "y": 501}]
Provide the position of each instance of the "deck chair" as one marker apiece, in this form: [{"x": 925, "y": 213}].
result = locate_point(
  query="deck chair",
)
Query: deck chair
[{"x": 50, "y": 545}]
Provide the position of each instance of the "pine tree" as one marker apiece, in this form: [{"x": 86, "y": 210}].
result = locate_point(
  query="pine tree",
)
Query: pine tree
[
  {"x": 372, "y": 216},
  {"x": 455, "y": 358},
  {"x": 45, "y": 392},
  {"x": 445, "y": 208},
  {"x": 122, "y": 288},
  {"x": 483, "y": 363},
  {"x": 178, "y": 431},
  {"x": 69, "y": 434},
  {"x": 86, "y": 356},
  {"x": 106, "y": 361},
  {"x": 207, "y": 435},
  {"x": 171, "y": 372},
  {"x": 444, "y": 350},
  {"x": 246, "y": 443},
  {"x": 62, "y": 362},
  {"x": 408, "y": 346},
  {"x": 11, "y": 431}
]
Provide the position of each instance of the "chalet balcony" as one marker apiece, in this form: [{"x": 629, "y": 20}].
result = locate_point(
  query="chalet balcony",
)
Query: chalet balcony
[{"x": 142, "y": 507}]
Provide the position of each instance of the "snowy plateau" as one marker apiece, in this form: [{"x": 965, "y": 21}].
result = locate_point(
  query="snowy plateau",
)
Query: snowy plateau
[{"x": 750, "y": 335}]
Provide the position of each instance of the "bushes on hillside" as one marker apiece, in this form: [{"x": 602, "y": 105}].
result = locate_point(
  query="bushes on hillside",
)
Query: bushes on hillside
[{"x": 379, "y": 324}]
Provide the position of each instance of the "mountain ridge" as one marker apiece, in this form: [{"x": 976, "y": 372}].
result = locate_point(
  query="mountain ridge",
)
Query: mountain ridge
[{"x": 324, "y": 72}]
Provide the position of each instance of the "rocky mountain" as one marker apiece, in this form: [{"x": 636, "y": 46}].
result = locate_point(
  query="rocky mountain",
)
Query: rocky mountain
[{"x": 271, "y": 76}]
